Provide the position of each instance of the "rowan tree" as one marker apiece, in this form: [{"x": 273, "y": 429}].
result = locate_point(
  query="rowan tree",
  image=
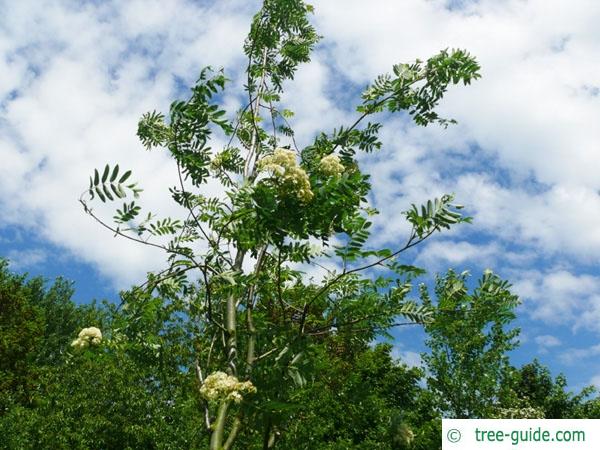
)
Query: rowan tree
[{"x": 234, "y": 259}]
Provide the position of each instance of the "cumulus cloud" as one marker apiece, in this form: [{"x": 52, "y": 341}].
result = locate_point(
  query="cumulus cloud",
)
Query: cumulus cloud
[
  {"x": 74, "y": 79},
  {"x": 577, "y": 355},
  {"x": 26, "y": 259},
  {"x": 442, "y": 254},
  {"x": 546, "y": 342},
  {"x": 595, "y": 381},
  {"x": 533, "y": 112},
  {"x": 408, "y": 357},
  {"x": 561, "y": 297},
  {"x": 560, "y": 219}
]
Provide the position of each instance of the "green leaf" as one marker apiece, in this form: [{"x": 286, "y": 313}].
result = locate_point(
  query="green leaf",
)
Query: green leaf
[
  {"x": 117, "y": 191},
  {"x": 107, "y": 192},
  {"x": 100, "y": 194},
  {"x": 276, "y": 406},
  {"x": 105, "y": 173},
  {"x": 125, "y": 176},
  {"x": 115, "y": 172}
]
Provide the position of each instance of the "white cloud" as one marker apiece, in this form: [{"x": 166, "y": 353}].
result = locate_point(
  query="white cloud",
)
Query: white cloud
[
  {"x": 83, "y": 76},
  {"x": 408, "y": 357},
  {"x": 561, "y": 297},
  {"x": 441, "y": 254},
  {"x": 546, "y": 341},
  {"x": 562, "y": 219},
  {"x": 595, "y": 381},
  {"x": 577, "y": 355},
  {"x": 534, "y": 110},
  {"x": 530, "y": 106},
  {"x": 523, "y": 159},
  {"x": 26, "y": 259}
]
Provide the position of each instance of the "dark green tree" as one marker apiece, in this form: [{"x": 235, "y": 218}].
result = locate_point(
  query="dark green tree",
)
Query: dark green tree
[
  {"x": 469, "y": 338},
  {"x": 534, "y": 384},
  {"x": 137, "y": 389},
  {"x": 21, "y": 331},
  {"x": 360, "y": 399}
]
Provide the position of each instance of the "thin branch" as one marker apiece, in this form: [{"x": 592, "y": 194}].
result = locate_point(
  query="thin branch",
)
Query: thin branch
[
  {"x": 371, "y": 109},
  {"x": 207, "y": 296},
  {"x": 216, "y": 437},
  {"x": 273, "y": 122},
  {"x": 249, "y": 309},
  {"x": 377, "y": 328},
  {"x": 231, "y": 319},
  {"x": 255, "y": 111},
  {"x": 159, "y": 280},
  {"x": 264, "y": 355},
  {"x": 235, "y": 429},
  {"x": 287, "y": 123},
  {"x": 210, "y": 349},
  {"x": 410, "y": 243},
  {"x": 211, "y": 242},
  {"x": 328, "y": 328},
  {"x": 279, "y": 292},
  {"x": 201, "y": 381},
  {"x": 117, "y": 231},
  {"x": 363, "y": 115}
]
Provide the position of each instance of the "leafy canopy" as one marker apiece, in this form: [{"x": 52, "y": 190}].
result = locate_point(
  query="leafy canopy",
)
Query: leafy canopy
[{"x": 234, "y": 259}]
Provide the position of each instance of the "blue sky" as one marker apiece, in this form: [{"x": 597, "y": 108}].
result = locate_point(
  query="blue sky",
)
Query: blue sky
[{"x": 524, "y": 158}]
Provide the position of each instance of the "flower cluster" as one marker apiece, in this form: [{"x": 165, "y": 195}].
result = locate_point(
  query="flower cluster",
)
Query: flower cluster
[
  {"x": 282, "y": 164},
  {"x": 526, "y": 412},
  {"x": 87, "y": 336},
  {"x": 219, "y": 386},
  {"x": 330, "y": 165}
]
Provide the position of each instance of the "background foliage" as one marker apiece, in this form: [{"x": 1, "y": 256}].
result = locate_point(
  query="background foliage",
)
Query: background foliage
[{"x": 138, "y": 389}]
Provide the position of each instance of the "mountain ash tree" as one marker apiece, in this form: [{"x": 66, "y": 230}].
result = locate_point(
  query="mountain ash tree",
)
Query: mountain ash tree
[{"x": 234, "y": 260}]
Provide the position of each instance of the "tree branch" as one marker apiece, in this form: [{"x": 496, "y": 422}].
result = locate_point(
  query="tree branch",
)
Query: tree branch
[{"x": 410, "y": 243}]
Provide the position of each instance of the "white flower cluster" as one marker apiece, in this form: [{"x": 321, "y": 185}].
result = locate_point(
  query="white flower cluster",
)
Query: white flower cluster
[
  {"x": 331, "y": 165},
  {"x": 282, "y": 164},
  {"x": 87, "y": 336},
  {"x": 526, "y": 412},
  {"x": 219, "y": 386}
]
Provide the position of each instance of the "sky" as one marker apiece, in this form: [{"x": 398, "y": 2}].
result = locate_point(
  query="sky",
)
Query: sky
[{"x": 75, "y": 78}]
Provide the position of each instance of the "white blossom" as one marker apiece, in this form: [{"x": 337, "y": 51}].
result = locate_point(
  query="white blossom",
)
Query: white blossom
[
  {"x": 524, "y": 412},
  {"x": 86, "y": 337},
  {"x": 331, "y": 165},
  {"x": 220, "y": 386},
  {"x": 290, "y": 176}
]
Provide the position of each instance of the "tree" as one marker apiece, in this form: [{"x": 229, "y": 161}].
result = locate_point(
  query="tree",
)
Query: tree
[
  {"x": 232, "y": 259},
  {"x": 469, "y": 338},
  {"x": 132, "y": 389},
  {"x": 36, "y": 325},
  {"x": 360, "y": 399},
  {"x": 534, "y": 383},
  {"x": 126, "y": 392},
  {"x": 21, "y": 323}
]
